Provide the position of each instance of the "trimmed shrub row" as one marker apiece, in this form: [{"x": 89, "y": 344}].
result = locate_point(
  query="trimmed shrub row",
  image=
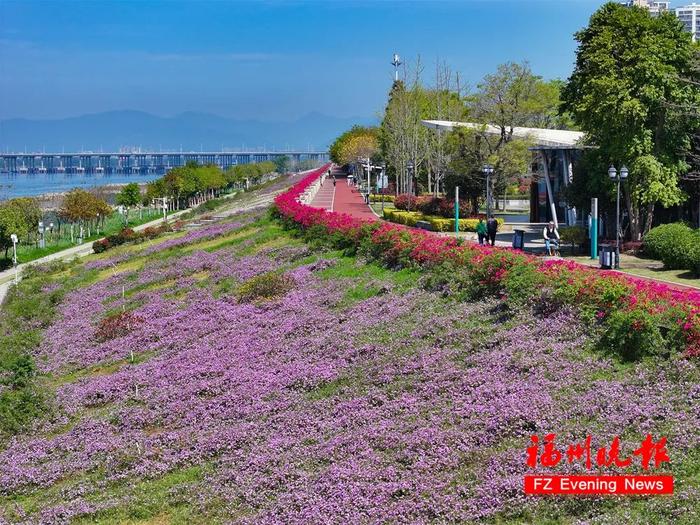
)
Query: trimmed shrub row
[
  {"x": 437, "y": 224},
  {"x": 374, "y": 197}
]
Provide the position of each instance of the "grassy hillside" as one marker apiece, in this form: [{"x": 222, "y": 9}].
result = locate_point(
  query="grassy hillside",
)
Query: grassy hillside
[{"x": 239, "y": 374}]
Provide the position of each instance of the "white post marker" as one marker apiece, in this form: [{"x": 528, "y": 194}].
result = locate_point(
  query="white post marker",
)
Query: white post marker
[{"x": 14, "y": 239}]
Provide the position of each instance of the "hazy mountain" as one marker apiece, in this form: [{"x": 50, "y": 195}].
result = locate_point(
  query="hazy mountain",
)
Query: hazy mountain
[{"x": 191, "y": 131}]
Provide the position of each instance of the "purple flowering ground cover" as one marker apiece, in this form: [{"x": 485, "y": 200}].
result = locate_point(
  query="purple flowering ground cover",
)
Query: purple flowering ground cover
[{"x": 353, "y": 397}]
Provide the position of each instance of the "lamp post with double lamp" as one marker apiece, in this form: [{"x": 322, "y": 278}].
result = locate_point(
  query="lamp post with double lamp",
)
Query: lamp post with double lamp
[
  {"x": 488, "y": 171},
  {"x": 617, "y": 177}
]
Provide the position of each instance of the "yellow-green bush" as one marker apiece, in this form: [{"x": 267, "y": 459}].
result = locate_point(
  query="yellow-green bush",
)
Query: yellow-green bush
[
  {"x": 379, "y": 198},
  {"x": 409, "y": 218},
  {"x": 438, "y": 224}
]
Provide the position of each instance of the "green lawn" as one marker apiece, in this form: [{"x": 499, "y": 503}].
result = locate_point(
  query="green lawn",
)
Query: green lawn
[
  {"x": 377, "y": 207},
  {"x": 56, "y": 243},
  {"x": 648, "y": 268}
]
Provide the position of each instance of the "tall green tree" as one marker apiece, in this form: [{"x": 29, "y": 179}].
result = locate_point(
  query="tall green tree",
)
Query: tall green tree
[
  {"x": 129, "y": 196},
  {"x": 20, "y": 217},
  {"x": 626, "y": 82},
  {"x": 282, "y": 164}
]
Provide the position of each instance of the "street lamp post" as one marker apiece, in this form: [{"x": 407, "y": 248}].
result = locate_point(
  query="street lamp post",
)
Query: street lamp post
[
  {"x": 617, "y": 177},
  {"x": 488, "y": 171}
]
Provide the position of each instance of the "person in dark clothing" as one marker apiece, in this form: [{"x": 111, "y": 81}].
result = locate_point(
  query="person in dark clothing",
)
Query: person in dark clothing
[
  {"x": 491, "y": 229},
  {"x": 333, "y": 177}
]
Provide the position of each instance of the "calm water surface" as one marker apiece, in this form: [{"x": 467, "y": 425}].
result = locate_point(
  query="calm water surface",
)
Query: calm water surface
[{"x": 16, "y": 185}]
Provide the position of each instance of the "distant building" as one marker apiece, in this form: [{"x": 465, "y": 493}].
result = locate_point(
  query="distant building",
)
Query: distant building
[
  {"x": 655, "y": 8},
  {"x": 690, "y": 16}
]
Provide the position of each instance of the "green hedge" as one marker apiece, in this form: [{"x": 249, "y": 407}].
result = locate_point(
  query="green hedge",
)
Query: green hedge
[
  {"x": 379, "y": 198},
  {"x": 677, "y": 245},
  {"x": 438, "y": 224}
]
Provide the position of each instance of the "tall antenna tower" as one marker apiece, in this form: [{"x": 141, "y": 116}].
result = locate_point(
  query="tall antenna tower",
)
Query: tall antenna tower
[{"x": 396, "y": 62}]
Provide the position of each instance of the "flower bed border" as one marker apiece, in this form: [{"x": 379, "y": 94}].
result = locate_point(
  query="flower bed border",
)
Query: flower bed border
[{"x": 622, "y": 304}]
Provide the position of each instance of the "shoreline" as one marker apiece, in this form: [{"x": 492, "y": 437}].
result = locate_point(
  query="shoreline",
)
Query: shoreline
[{"x": 52, "y": 200}]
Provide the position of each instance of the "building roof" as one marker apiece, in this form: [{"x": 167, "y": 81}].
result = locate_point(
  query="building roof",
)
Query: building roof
[{"x": 556, "y": 138}]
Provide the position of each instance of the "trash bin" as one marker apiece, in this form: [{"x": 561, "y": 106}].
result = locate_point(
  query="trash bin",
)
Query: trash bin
[
  {"x": 518, "y": 239},
  {"x": 607, "y": 256}
]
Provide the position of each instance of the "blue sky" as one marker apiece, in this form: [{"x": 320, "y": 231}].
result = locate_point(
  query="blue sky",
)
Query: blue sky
[{"x": 273, "y": 60}]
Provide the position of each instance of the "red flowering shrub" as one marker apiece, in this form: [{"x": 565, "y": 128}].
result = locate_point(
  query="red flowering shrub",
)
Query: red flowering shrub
[
  {"x": 630, "y": 309},
  {"x": 116, "y": 325},
  {"x": 405, "y": 201},
  {"x": 101, "y": 246}
]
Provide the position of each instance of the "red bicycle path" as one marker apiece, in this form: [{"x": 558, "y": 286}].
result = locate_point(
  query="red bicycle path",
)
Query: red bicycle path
[{"x": 344, "y": 198}]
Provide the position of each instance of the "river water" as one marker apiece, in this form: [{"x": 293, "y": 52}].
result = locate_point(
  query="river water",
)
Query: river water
[{"x": 23, "y": 185}]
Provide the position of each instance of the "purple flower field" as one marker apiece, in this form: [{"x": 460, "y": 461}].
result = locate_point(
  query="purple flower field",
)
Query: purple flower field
[{"x": 357, "y": 397}]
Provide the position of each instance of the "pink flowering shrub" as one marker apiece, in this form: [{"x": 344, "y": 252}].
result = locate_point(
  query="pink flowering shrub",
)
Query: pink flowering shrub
[{"x": 663, "y": 316}]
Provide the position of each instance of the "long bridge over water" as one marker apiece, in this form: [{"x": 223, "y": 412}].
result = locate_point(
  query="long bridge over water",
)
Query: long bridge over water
[{"x": 139, "y": 162}]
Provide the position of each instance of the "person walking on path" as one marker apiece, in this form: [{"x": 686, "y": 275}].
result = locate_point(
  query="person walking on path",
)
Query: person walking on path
[
  {"x": 491, "y": 229},
  {"x": 333, "y": 177},
  {"x": 481, "y": 230}
]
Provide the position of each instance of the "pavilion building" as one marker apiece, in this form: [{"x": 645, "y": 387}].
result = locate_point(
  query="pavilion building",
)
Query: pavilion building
[{"x": 555, "y": 153}]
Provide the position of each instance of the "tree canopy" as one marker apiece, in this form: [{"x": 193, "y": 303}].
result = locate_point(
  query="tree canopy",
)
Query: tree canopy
[
  {"x": 130, "y": 195},
  {"x": 82, "y": 206},
  {"x": 626, "y": 82},
  {"x": 358, "y": 141},
  {"x": 20, "y": 217}
]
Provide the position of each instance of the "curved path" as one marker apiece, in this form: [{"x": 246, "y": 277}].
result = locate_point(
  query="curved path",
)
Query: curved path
[{"x": 342, "y": 198}]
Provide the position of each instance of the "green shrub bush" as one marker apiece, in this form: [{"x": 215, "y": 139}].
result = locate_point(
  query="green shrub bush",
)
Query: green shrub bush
[
  {"x": 264, "y": 287},
  {"x": 438, "y": 224},
  {"x": 694, "y": 259},
  {"x": 632, "y": 334},
  {"x": 573, "y": 235},
  {"x": 674, "y": 244}
]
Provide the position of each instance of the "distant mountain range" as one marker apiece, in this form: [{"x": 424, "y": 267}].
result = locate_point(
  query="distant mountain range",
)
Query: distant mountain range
[{"x": 113, "y": 130}]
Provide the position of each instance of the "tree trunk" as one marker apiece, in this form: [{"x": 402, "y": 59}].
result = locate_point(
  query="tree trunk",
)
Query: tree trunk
[{"x": 650, "y": 219}]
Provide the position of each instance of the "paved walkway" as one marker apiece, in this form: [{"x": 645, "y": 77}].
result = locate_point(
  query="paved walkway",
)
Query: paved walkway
[
  {"x": 349, "y": 200},
  {"x": 325, "y": 196}
]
